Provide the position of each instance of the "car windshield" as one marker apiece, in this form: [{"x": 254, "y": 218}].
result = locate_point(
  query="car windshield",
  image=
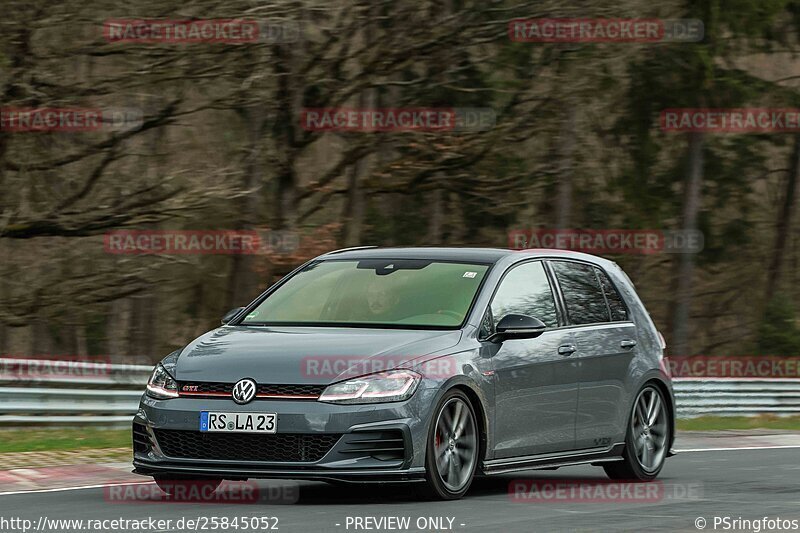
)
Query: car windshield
[{"x": 374, "y": 293}]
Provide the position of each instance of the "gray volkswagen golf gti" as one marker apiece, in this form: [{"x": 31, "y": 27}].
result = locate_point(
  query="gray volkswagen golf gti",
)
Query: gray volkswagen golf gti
[{"x": 416, "y": 364}]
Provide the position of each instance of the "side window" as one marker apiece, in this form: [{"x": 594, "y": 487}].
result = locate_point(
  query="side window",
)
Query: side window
[
  {"x": 582, "y": 293},
  {"x": 526, "y": 290},
  {"x": 619, "y": 313}
]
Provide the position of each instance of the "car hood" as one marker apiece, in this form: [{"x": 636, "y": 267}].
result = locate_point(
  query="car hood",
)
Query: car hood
[{"x": 300, "y": 355}]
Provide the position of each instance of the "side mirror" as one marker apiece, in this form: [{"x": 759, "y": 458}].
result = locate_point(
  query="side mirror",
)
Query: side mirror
[
  {"x": 514, "y": 326},
  {"x": 230, "y": 314}
]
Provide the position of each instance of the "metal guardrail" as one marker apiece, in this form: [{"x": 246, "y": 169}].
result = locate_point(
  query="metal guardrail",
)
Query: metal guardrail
[
  {"x": 64, "y": 393},
  {"x": 108, "y": 395},
  {"x": 736, "y": 397}
]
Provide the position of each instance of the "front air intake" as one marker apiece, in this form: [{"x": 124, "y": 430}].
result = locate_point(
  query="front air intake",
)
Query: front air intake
[{"x": 386, "y": 445}]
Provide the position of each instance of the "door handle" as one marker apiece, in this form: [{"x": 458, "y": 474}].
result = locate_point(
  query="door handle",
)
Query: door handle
[
  {"x": 566, "y": 349},
  {"x": 627, "y": 343}
]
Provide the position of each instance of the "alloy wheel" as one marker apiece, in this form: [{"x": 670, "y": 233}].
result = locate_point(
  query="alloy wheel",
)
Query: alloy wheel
[
  {"x": 455, "y": 444},
  {"x": 649, "y": 429}
]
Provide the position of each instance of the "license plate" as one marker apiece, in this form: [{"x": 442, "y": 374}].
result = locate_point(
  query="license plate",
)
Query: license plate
[{"x": 214, "y": 422}]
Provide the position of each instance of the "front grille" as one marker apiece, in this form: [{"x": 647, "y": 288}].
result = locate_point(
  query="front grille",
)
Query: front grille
[
  {"x": 291, "y": 390},
  {"x": 206, "y": 389},
  {"x": 282, "y": 447}
]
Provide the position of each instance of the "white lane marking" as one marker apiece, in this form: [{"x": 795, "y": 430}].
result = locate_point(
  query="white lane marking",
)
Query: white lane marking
[
  {"x": 740, "y": 448},
  {"x": 79, "y": 487}
]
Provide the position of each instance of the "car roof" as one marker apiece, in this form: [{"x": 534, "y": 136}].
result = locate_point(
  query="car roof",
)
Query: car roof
[{"x": 478, "y": 255}]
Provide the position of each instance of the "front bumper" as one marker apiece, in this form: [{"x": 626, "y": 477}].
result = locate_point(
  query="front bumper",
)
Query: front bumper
[
  {"x": 374, "y": 442},
  {"x": 244, "y": 472}
]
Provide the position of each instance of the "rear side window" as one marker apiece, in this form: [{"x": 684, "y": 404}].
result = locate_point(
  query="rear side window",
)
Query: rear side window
[
  {"x": 583, "y": 295},
  {"x": 619, "y": 312},
  {"x": 525, "y": 290}
]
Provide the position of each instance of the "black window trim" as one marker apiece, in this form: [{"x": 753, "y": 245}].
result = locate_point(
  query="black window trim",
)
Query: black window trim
[
  {"x": 558, "y": 296},
  {"x": 616, "y": 289},
  {"x": 603, "y": 292},
  {"x": 569, "y": 324},
  {"x": 560, "y": 315}
]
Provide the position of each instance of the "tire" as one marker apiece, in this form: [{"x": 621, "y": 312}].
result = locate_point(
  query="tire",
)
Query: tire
[
  {"x": 186, "y": 486},
  {"x": 646, "y": 444},
  {"x": 450, "y": 464}
]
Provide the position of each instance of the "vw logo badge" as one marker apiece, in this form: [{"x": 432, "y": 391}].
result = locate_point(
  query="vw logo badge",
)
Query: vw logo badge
[{"x": 244, "y": 391}]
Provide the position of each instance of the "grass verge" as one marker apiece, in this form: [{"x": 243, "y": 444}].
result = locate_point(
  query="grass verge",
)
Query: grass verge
[
  {"x": 35, "y": 440},
  {"x": 716, "y": 423}
]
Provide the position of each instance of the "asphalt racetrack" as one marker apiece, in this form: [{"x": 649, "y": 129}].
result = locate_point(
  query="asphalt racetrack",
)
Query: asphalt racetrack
[{"x": 694, "y": 488}]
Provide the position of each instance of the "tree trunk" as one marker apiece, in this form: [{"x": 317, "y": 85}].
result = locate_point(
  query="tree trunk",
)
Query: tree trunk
[
  {"x": 243, "y": 280},
  {"x": 355, "y": 203},
  {"x": 566, "y": 168},
  {"x": 435, "y": 217},
  {"x": 784, "y": 222},
  {"x": 144, "y": 326},
  {"x": 685, "y": 265},
  {"x": 41, "y": 341},
  {"x": 289, "y": 98},
  {"x": 117, "y": 326},
  {"x": 3, "y": 340}
]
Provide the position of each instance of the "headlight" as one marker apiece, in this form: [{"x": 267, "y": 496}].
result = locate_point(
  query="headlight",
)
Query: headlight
[
  {"x": 392, "y": 386},
  {"x": 161, "y": 385}
]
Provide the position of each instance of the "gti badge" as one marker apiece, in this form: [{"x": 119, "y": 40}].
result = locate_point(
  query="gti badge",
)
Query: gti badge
[{"x": 244, "y": 391}]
